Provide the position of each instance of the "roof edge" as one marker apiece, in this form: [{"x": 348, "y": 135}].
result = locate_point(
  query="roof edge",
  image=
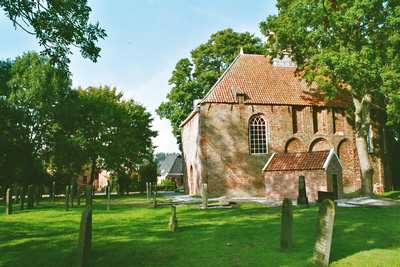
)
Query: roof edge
[
  {"x": 189, "y": 117},
  {"x": 331, "y": 154},
  {"x": 266, "y": 164}
]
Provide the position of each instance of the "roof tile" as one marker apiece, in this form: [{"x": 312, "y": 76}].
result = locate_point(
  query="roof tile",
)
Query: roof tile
[{"x": 297, "y": 161}]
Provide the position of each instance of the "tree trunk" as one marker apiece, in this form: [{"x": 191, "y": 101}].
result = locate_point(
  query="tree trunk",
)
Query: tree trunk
[
  {"x": 93, "y": 171},
  {"x": 362, "y": 121}
]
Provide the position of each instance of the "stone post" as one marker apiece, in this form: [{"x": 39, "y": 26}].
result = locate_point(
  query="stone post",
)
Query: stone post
[
  {"x": 302, "y": 196},
  {"x": 108, "y": 196},
  {"x": 88, "y": 196},
  {"x": 173, "y": 221},
  {"x": 67, "y": 196},
  {"x": 30, "y": 197},
  {"x": 286, "y": 224},
  {"x": 326, "y": 220},
  {"x": 53, "y": 191},
  {"x": 85, "y": 237},
  {"x": 9, "y": 201},
  {"x": 204, "y": 196}
]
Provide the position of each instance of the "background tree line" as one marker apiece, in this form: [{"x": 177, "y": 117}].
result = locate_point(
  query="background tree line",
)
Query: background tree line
[{"x": 50, "y": 131}]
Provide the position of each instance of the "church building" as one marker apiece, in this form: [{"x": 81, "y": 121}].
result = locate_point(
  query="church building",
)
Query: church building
[{"x": 258, "y": 109}]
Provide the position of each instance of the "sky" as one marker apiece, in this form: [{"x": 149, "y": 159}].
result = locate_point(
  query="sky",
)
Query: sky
[{"x": 146, "y": 38}]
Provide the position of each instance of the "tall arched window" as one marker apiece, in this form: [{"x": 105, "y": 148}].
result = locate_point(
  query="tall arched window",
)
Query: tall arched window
[{"x": 257, "y": 135}]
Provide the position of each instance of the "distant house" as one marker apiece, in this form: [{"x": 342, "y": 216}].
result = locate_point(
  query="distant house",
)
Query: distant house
[
  {"x": 100, "y": 182},
  {"x": 171, "y": 168}
]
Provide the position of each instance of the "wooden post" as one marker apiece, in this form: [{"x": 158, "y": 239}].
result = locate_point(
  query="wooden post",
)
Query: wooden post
[
  {"x": 23, "y": 192},
  {"x": 85, "y": 237},
  {"x": 326, "y": 220},
  {"x": 88, "y": 196},
  {"x": 155, "y": 198},
  {"x": 17, "y": 194},
  {"x": 302, "y": 196},
  {"x": 53, "y": 191},
  {"x": 78, "y": 196},
  {"x": 30, "y": 197},
  {"x": 286, "y": 224},
  {"x": 72, "y": 194},
  {"x": 67, "y": 196},
  {"x": 108, "y": 189},
  {"x": 204, "y": 196},
  {"x": 9, "y": 201},
  {"x": 173, "y": 221},
  {"x": 147, "y": 191}
]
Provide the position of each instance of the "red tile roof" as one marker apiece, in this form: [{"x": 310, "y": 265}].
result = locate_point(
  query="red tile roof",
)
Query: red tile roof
[
  {"x": 263, "y": 83},
  {"x": 297, "y": 161}
]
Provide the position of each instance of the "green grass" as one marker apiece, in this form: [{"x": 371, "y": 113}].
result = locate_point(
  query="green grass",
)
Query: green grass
[{"x": 134, "y": 234}]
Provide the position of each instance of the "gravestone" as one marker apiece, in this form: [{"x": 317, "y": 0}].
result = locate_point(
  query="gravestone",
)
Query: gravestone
[
  {"x": 108, "y": 189},
  {"x": 204, "y": 196},
  {"x": 173, "y": 221},
  {"x": 9, "y": 201},
  {"x": 30, "y": 197},
  {"x": 67, "y": 196},
  {"x": 85, "y": 237},
  {"x": 326, "y": 220},
  {"x": 53, "y": 191},
  {"x": 88, "y": 196},
  {"x": 302, "y": 196},
  {"x": 286, "y": 224}
]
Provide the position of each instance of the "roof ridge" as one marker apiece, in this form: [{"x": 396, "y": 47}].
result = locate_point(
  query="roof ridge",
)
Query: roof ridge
[{"x": 221, "y": 77}]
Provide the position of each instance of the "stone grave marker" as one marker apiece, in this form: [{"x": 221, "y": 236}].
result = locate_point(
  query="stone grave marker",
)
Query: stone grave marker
[
  {"x": 302, "y": 196},
  {"x": 173, "y": 221},
  {"x": 286, "y": 224},
  {"x": 9, "y": 202},
  {"x": 204, "y": 196},
  {"x": 326, "y": 220},
  {"x": 85, "y": 237}
]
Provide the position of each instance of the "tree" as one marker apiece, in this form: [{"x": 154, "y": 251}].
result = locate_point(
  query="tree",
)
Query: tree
[
  {"x": 351, "y": 45},
  {"x": 113, "y": 133},
  {"x": 192, "y": 78},
  {"x": 58, "y": 25}
]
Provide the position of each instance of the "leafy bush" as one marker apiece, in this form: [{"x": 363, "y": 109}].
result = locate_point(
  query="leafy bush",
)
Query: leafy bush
[{"x": 167, "y": 185}]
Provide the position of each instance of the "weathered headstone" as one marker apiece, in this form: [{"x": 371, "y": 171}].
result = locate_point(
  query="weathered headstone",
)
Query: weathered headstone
[
  {"x": 204, "y": 196},
  {"x": 85, "y": 237},
  {"x": 302, "y": 196},
  {"x": 286, "y": 224},
  {"x": 108, "y": 189},
  {"x": 53, "y": 191},
  {"x": 9, "y": 201},
  {"x": 88, "y": 196},
  {"x": 30, "y": 197},
  {"x": 326, "y": 220},
  {"x": 173, "y": 221},
  {"x": 67, "y": 196}
]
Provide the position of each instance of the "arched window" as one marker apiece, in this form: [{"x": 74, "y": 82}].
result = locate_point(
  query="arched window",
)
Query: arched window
[{"x": 257, "y": 135}]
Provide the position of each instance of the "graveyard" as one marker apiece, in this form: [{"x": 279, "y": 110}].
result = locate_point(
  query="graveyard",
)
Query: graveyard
[{"x": 134, "y": 233}]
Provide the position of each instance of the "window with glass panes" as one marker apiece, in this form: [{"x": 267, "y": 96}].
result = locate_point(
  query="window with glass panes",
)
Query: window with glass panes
[{"x": 257, "y": 135}]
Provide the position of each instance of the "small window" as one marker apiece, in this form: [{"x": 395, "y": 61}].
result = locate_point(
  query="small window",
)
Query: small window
[{"x": 257, "y": 135}]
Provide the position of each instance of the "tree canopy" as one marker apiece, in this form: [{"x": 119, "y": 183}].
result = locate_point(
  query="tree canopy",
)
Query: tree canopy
[
  {"x": 344, "y": 44},
  {"x": 58, "y": 26},
  {"x": 193, "y": 77}
]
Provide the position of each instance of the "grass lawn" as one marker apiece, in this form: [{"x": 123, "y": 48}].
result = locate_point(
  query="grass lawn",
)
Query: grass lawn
[{"x": 133, "y": 234}]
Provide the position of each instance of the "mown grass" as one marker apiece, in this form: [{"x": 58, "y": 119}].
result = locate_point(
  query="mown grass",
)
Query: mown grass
[{"x": 134, "y": 234}]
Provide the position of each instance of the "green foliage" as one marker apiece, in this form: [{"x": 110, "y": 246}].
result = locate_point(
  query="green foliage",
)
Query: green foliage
[
  {"x": 193, "y": 78},
  {"x": 58, "y": 25},
  {"x": 356, "y": 43},
  {"x": 167, "y": 185}
]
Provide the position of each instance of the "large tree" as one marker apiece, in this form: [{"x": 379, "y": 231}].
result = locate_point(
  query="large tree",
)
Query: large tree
[
  {"x": 58, "y": 26},
  {"x": 192, "y": 78},
  {"x": 344, "y": 44}
]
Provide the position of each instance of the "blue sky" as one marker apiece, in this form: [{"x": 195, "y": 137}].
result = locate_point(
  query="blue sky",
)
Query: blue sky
[{"x": 145, "y": 40}]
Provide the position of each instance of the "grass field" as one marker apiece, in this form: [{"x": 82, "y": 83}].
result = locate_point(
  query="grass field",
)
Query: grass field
[{"x": 134, "y": 234}]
